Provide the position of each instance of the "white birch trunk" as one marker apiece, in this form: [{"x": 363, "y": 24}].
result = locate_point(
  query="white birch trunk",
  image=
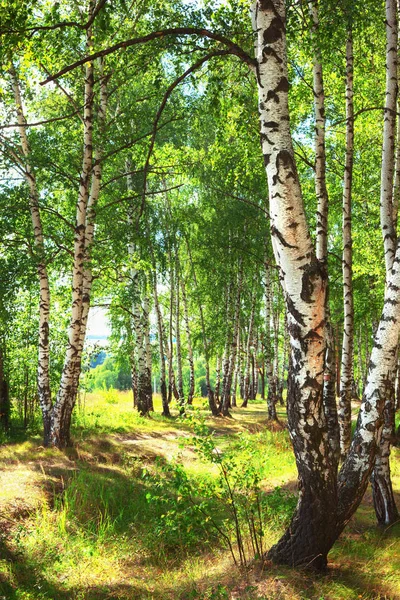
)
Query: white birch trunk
[
  {"x": 66, "y": 396},
  {"x": 347, "y": 265},
  {"x": 269, "y": 371},
  {"x": 384, "y": 503},
  {"x": 181, "y": 399},
  {"x": 144, "y": 396},
  {"x": 321, "y": 513},
  {"x": 230, "y": 367},
  {"x": 319, "y": 140},
  {"x": 189, "y": 342},
  {"x": 304, "y": 282},
  {"x": 43, "y": 371},
  {"x": 211, "y": 399},
  {"x": 246, "y": 383},
  {"x": 160, "y": 328},
  {"x": 147, "y": 345}
]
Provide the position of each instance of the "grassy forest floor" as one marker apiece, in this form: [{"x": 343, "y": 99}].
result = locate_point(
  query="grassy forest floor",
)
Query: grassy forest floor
[{"x": 131, "y": 513}]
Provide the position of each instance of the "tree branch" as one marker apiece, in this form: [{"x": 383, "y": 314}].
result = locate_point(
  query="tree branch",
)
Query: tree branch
[{"x": 174, "y": 31}]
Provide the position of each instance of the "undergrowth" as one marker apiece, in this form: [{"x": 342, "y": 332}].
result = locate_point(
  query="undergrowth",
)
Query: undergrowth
[{"x": 160, "y": 509}]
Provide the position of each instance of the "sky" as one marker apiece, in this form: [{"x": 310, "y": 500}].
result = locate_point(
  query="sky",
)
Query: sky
[{"x": 98, "y": 326}]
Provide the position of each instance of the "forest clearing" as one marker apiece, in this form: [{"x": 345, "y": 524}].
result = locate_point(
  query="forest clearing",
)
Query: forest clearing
[{"x": 90, "y": 523}]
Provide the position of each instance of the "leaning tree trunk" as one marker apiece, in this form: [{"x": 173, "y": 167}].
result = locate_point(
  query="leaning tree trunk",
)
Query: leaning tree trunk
[
  {"x": 347, "y": 262},
  {"x": 43, "y": 371},
  {"x": 384, "y": 503}
]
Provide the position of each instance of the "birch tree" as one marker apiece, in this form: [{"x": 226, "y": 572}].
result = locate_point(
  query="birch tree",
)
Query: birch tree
[
  {"x": 384, "y": 503},
  {"x": 346, "y": 381}
]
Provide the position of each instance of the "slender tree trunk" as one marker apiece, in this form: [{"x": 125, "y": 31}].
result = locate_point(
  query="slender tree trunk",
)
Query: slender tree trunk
[
  {"x": 237, "y": 370},
  {"x": 134, "y": 378},
  {"x": 272, "y": 397},
  {"x": 181, "y": 399},
  {"x": 140, "y": 318},
  {"x": 217, "y": 379},
  {"x": 147, "y": 345},
  {"x": 62, "y": 410},
  {"x": 226, "y": 394},
  {"x": 246, "y": 383},
  {"x": 348, "y": 330},
  {"x": 43, "y": 372},
  {"x": 160, "y": 328},
  {"x": 211, "y": 399},
  {"x": 4, "y": 396},
  {"x": 284, "y": 359},
  {"x": 384, "y": 503},
  {"x": 329, "y": 396},
  {"x": 189, "y": 343}
]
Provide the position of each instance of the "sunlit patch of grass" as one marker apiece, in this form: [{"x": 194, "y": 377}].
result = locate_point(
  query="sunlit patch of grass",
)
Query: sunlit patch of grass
[{"x": 105, "y": 519}]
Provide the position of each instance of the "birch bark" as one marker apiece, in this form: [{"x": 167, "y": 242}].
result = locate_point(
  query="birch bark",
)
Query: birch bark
[
  {"x": 304, "y": 282},
  {"x": 323, "y": 508},
  {"x": 272, "y": 396},
  {"x": 140, "y": 322},
  {"x": 189, "y": 342},
  {"x": 329, "y": 396},
  {"x": 160, "y": 329},
  {"x": 43, "y": 371},
  {"x": 211, "y": 399},
  {"x": 347, "y": 264},
  {"x": 226, "y": 392},
  {"x": 384, "y": 503},
  {"x": 247, "y": 381},
  {"x": 181, "y": 398}
]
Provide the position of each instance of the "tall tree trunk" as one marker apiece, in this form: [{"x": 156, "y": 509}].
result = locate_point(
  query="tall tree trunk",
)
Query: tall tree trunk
[
  {"x": 43, "y": 371},
  {"x": 211, "y": 399},
  {"x": 272, "y": 397},
  {"x": 160, "y": 329},
  {"x": 246, "y": 382},
  {"x": 217, "y": 379},
  {"x": 89, "y": 190},
  {"x": 237, "y": 370},
  {"x": 134, "y": 377},
  {"x": 181, "y": 399},
  {"x": 4, "y": 396},
  {"x": 323, "y": 508},
  {"x": 147, "y": 344},
  {"x": 329, "y": 396},
  {"x": 384, "y": 503},
  {"x": 304, "y": 282},
  {"x": 348, "y": 304},
  {"x": 226, "y": 392},
  {"x": 189, "y": 343},
  {"x": 144, "y": 392}
]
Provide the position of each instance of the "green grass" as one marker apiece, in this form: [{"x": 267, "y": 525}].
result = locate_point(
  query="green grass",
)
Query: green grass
[{"x": 130, "y": 513}]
